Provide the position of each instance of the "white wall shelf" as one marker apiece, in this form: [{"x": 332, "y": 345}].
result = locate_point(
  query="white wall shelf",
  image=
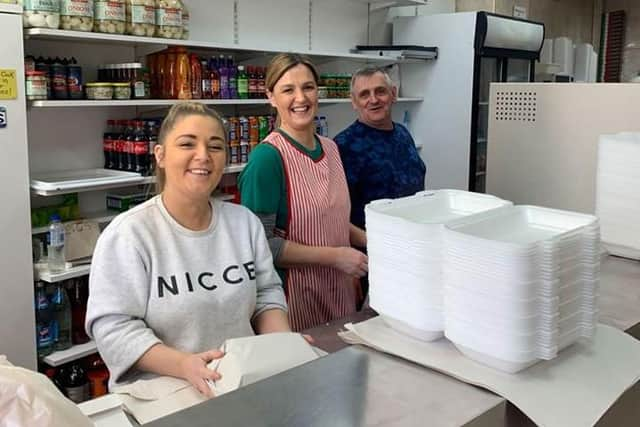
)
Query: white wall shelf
[
  {"x": 167, "y": 102},
  {"x": 76, "y": 352},
  {"x": 118, "y": 39},
  {"x": 384, "y": 4},
  {"x": 145, "y": 181},
  {"x": 101, "y": 217},
  {"x": 70, "y": 273},
  {"x": 10, "y": 8}
]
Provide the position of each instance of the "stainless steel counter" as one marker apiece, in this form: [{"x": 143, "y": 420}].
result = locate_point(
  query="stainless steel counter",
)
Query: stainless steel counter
[{"x": 356, "y": 386}]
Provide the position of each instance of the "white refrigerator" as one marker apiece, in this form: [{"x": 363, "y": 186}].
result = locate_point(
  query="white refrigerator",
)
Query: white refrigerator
[
  {"x": 474, "y": 49},
  {"x": 17, "y": 325}
]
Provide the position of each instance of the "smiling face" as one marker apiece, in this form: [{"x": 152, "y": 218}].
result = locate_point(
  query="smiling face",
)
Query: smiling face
[
  {"x": 295, "y": 96},
  {"x": 193, "y": 156},
  {"x": 372, "y": 97}
]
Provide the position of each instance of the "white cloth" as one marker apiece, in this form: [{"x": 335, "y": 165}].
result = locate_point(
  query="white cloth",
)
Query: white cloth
[{"x": 574, "y": 389}]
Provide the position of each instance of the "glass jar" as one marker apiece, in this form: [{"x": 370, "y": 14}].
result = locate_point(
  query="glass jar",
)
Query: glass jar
[
  {"x": 109, "y": 16},
  {"x": 121, "y": 91},
  {"x": 40, "y": 13},
  {"x": 102, "y": 91},
  {"x": 76, "y": 15},
  {"x": 141, "y": 17},
  {"x": 36, "y": 82},
  {"x": 169, "y": 19},
  {"x": 185, "y": 21}
]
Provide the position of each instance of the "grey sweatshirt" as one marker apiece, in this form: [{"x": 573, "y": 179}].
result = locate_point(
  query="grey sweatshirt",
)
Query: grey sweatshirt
[{"x": 153, "y": 280}]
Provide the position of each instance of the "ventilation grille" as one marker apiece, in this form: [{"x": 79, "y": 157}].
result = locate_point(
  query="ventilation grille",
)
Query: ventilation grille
[{"x": 518, "y": 106}]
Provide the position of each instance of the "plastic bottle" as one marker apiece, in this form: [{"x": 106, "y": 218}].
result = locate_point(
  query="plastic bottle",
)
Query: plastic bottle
[
  {"x": 78, "y": 298},
  {"x": 214, "y": 78},
  {"x": 129, "y": 153},
  {"x": 224, "y": 78},
  {"x": 324, "y": 127},
  {"x": 206, "y": 79},
  {"x": 62, "y": 315},
  {"x": 253, "y": 82},
  {"x": 231, "y": 75},
  {"x": 108, "y": 145},
  {"x": 44, "y": 321},
  {"x": 183, "y": 73},
  {"x": 140, "y": 149},
  {"x": 243, "y": 83},
  {"x": 55, "y": 244},
  {"x": 196, "y": 76},
  {"x": 260, "y": 75},
  {"x": 98, "y": 376}
]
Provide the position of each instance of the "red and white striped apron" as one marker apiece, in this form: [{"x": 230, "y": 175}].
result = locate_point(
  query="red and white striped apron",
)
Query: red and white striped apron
[{"x": 319, "y": 208}]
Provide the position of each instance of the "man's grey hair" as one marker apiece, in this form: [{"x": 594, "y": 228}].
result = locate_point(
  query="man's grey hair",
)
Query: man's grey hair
[{"x": 369, "y": 71}]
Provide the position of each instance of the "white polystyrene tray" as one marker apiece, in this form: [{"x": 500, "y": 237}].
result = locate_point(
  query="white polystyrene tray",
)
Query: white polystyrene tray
[
  {"x": 72, "y": 179},
  {"x": 523, "y": 226},
  {"x": 435, "y": 206}
]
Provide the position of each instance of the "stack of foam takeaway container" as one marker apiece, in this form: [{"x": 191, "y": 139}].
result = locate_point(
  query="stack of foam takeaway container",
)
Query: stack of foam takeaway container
[
  {"x": 404, "y": 244},
  {"x": 617, "y": 195},
  {"x": 513, "y": 284},
  {"x": 521, "y": 284}
]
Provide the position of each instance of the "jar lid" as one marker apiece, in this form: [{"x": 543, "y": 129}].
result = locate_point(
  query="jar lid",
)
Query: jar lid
[
  {"x": 120, "y": 84},
  {"x": 98, "y": 84},
  {"x": 35, "y": 73}
]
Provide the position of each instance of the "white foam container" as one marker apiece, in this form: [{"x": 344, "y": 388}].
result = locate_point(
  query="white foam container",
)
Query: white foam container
[{"x": 404, "y": 242}]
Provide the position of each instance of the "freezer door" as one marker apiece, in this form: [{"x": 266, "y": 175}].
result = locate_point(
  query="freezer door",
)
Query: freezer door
[{"x": 17, "y": 329}]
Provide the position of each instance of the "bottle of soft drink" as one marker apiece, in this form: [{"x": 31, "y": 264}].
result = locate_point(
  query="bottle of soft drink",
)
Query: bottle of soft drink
[
  {"x": 121, "y": 144},
  {"x": 140, "y": 149},
  {"x": 98, "y": 376},
  {"x": 108, "y": 145},
  {"x": 324, "y": 127},
  {"x": 129, "y": 154},
  {"x": 214, "y": 76},
  {"x": 44, "y": 321},
  {"x": 62, "y": 315},
  {"x": 224, "y": 78},
  {"x": 74, "y": 382},
  {"x": 152, "y": 135},
  {"x": 242, "y": 80},
  {"x": 196, "y": 76},
  {"x": 253, "y": 82},
  {"x": 78, "y": 299},
  {"x": 55, "y": 244},
  {"x": 231, "y": 75},
  {"x": 206, "y": 80},
  {"x": 260, "y": 75}
]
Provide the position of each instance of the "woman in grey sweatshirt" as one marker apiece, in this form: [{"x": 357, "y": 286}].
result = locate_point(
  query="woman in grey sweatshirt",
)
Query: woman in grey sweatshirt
[{"x": 174, "y": 277}]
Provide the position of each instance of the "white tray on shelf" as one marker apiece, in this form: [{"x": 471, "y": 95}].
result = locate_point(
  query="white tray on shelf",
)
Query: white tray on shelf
[{"x": 77, "y": 179}]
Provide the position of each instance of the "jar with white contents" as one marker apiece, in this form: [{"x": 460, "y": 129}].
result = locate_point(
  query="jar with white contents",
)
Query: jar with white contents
[
  {"x": 76, "y": 15},
  {"x": 109, "y": 16},
  {"x": 169, "y": 19},
  {"x": 141, "y": 17},
  {"x": 40, "y": 13}
]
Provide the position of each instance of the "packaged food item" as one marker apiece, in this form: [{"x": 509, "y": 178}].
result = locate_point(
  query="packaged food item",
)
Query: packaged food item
[
  {"x": 29, "y": 63},
  {"x": 76, "y": 15},
  {"x": 323, "y": 92},
  {"x": 59, "y": 79},
  {"x": 125, "y": 199},
  {"x": 141, "y": 17},
  {"x": 36, "y": 83},
  {"x": 100, "y": 91},
  {"x": 185, "y": 20},
  {"x": 40, "y": 13},
  {"x": 121, "y": 90},
  {"x": 169, "y": 19},
  {"x": 109, "y": 16},
  {"x": 74, "y": 80}
]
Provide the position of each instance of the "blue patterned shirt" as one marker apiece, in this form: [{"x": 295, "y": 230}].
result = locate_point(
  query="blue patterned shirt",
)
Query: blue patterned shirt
[{"x": 379, "y": 164}]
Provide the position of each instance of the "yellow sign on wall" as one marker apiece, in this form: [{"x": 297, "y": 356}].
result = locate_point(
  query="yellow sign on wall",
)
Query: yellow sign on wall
[{"x": 8, "y": 87}]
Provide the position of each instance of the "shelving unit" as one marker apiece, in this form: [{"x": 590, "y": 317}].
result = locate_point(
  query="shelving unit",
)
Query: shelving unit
[
  {"x": 247, "y": 51},
  {"x": 52, "y": 146},
  {"x": 169, "y": 102},
  {"x": 144, "y": 181},
  {"x": 79, "y": 351}
]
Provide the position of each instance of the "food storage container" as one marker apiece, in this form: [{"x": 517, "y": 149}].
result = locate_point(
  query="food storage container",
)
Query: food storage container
[
  {"x": 109, "y": 16},
  {"x": 141, "y": 17},
  {"x": 40, "y": 13},
  {"x": 76, "y": 15},
  {"x": 169, "y": 19},
  {"x": 100, "y": 91}
]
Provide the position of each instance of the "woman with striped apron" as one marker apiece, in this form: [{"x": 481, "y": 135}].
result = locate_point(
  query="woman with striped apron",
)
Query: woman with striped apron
[{"x": 295, "y": 183}]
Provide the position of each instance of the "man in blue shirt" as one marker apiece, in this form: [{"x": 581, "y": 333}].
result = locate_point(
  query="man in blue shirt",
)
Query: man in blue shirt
[{"x": 379, "y": 156}]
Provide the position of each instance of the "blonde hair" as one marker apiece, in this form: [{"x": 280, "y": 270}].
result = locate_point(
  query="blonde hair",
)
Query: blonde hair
[
  {"x": 283, "y": 62},
  {"x": 176, "y": 113}
]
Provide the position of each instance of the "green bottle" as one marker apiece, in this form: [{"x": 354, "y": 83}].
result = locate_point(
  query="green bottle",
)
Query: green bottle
[{"x": 242, "y": 80}]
